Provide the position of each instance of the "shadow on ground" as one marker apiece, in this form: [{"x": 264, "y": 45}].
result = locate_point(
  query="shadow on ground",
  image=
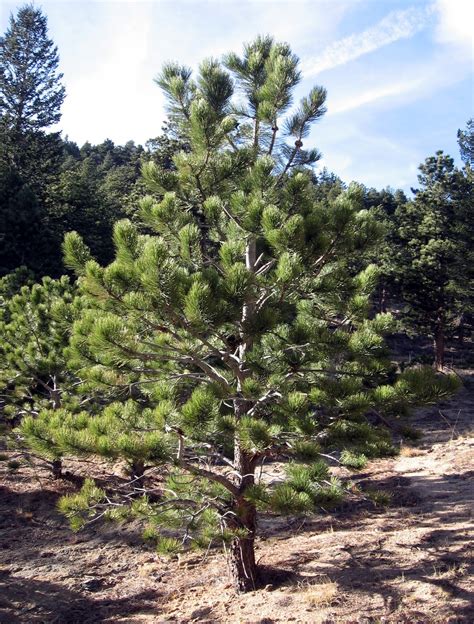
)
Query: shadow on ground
[{"x": 55, "y": 604}]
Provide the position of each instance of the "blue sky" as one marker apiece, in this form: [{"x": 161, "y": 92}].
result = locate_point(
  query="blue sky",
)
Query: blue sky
[{"x": 399, "y": 74}]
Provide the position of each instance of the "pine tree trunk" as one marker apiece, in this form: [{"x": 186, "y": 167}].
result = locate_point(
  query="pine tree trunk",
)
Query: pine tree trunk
[
  {"x": 57, "y": 468},
  {"x": 55, "y": 399},
  {"x": 137, "y": 473},
  {"x": 243, "y": 519},
  {"x": 241, "y": 554},
  {"x": 243, "y": 568},
  {"x": 439, "y": 347},
  {"x": 57, "y": 464},
  {"x": 383, "y": 300},
  {"x": 461, "y": 329}
]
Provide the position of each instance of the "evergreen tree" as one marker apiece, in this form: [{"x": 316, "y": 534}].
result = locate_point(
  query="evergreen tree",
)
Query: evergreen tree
[
  {"x": 20, "y": 221},
  {"x": 386, "y": 205},
  {"x": 466, "y": 143},
  {"x": 328, "y": 185},
  {"x": 164, "y": 147},
  {"x": 236, "y": 322},
  {"x": 31, "y": 93},
  {"x": 434, "y": 257},
  {"x": 12, "y": 283},
  {"x": 34, "y": 328},
  {"x": 92, "y": 190},
  {"x": 77, "y": 201}
]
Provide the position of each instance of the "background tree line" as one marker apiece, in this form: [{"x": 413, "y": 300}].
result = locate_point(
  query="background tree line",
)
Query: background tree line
[{"x": 49, "y": 186}]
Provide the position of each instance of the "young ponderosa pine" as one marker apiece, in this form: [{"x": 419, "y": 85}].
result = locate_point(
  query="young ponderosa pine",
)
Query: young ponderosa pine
[
  {"x": 34, "y": 329},
  {"x": 236, "y": 321}
]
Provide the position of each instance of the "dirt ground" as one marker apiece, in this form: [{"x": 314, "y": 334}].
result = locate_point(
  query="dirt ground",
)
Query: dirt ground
[{"x": 406, "y": 563}]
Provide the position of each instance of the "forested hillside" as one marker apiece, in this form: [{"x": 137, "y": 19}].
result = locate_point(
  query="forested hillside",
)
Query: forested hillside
[{"x": 209, "y": 333}]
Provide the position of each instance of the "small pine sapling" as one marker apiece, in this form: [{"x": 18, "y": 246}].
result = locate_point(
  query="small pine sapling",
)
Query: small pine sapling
[
  {"x": 236, "y": 319},
  {"x": 34, "y": 328}
]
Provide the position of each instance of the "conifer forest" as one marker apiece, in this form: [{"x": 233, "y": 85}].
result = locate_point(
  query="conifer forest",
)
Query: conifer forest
[{"x": 233, "y": 387}]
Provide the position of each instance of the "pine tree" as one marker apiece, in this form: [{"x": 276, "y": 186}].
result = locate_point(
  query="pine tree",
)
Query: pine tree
[
  {"x": 20, "y": 221},
  {"x": 386, "y": 205},
  {"x": 31, "y": 93},
  {"x": 34, "y": 328},
  {"x": 466, "y": 143},
  {"x": 235, "y": 320},
  {"x": 434, "y": 259}
]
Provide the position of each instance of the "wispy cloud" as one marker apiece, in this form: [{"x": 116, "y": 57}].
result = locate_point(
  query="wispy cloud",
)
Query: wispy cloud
[
  {"x": 394, "y": 90},
  {"x": 421, "y": 79},
  {"x": 394, "y": 26}
]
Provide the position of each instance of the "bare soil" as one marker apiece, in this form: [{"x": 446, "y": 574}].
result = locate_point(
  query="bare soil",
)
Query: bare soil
[{"x": 406, "y": 563}]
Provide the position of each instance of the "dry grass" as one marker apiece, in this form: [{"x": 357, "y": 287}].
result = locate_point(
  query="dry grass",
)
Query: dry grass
[
  {"x": 411, "y": 451},
  {"x": 450, "y": 572},
  {"x": 318, "y": 594},
  {"x": 382, "y": 498}
]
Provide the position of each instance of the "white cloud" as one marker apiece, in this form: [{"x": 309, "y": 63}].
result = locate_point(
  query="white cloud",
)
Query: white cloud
[
  {"x": 456, "y": 19},
  {"x": 394, "y": 26},
  {"x": 110, "y": 59},
  {"x": 110, "y": 92}
]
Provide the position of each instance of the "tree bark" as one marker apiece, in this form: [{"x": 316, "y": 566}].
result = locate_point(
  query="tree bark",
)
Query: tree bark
[
  {"x": 137, "y": 473},
  {"x": 243, "y": 516},
  {"x": 461, "y": 329},
  {"x": 241, "y": 554},
  {"x": 383, "y": 300},
  {"x": 57, "y": 468},
  {"x": 55, "y": 396},
  {"x": 55, "y": 399},
  {"x": 439, "y": 346}
]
